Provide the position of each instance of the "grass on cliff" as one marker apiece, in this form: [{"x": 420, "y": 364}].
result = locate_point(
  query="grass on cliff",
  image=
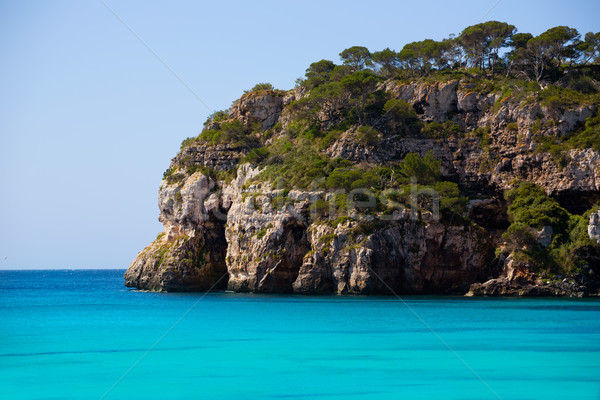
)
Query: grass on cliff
[
  {"x": 179, "y": 173},
  {"x": 585, "y": 137},
  {"x": 295, "y": 163}
]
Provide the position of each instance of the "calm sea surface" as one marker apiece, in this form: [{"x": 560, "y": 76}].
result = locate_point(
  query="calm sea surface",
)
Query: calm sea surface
[{"x": 82, "y": 335}]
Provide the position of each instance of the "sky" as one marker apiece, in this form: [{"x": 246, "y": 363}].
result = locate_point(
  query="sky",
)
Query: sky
[{"x": 96, "y": 97}]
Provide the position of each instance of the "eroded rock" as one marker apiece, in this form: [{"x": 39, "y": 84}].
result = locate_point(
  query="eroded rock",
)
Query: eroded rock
[{"x": 594, "y": 226}]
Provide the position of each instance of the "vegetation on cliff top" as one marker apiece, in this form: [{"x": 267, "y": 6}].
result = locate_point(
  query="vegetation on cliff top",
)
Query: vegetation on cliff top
[{"x": 557, "y": 68}]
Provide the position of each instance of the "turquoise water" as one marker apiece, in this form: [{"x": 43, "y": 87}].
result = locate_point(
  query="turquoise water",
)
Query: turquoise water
[{"x": 82, "y": 335}]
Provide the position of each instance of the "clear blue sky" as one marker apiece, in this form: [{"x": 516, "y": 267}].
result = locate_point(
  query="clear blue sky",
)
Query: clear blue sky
[{"x": 89, "y": 117}]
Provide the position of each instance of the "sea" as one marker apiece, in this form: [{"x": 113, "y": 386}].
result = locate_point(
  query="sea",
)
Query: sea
[{"x": 80, "y": 334}]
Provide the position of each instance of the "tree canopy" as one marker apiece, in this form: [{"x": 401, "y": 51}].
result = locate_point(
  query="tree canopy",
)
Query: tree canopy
[
  {"x": 491, "y": 47},
  {"x": 357, "y": 57}
]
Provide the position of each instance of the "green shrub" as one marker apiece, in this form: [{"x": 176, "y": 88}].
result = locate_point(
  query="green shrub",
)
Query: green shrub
[
  {"x": 452, "y": 204},
  {"x": 329, "y": 139},
  {"x": 230, "y": 132},
  {"x": 312, "y": 132},
  {"x": 368, "y": 136},
  {"x": 427, "y": 170},
  {"x": 299, "y": 164},
  {"x": 436, "y": 130},
  {"x": 317, "y": 73},
  {"x": 327, "y": 239},
  {"x": 530, "y": 206},
  {"x": 178, "y": 197},
  {"x": 189, "y": 141},
  {"x": 259, "y": 87},
  {"x": 350, "y": 178},
  {"x": 483, "y": 133},
  {"x": 260, "y": 234},
  {"x": 519, "y": 236},
  {"x": 319, "y": 209},
  {"x": 255, "y": 156},
  {"x": 588, "y": 136},
  {"x": 559, "y": 98},
  {"x": 401, "y": 117},
  {"x": 339, "y": 220},
  {"x": 225, "y": 176},
  {"x": 168, "y": 172},
  {"x": 340, "y": 201},
  {"x": 172, "y": 177},
  {"x": 217, "y": 116}
]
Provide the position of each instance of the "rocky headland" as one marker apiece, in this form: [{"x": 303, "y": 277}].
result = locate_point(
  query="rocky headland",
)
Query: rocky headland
[{"x": 240, "y": 214}]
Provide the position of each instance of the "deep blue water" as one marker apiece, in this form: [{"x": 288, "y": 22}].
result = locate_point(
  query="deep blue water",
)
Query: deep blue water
[{"x": 82, "y": 335}]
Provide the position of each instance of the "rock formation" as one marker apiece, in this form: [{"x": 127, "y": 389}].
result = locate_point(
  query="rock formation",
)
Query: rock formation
[
  {"x": 240, "y": 234},
  {"x": 517, "y": 280},
  {"x": 594, "y": 226}
]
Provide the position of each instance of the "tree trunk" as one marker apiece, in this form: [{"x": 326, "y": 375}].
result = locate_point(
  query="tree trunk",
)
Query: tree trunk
[{"x": 510, "y": 64}]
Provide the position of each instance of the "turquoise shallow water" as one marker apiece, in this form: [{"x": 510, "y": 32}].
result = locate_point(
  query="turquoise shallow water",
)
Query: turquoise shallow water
[{"x": 77, "y": 334}]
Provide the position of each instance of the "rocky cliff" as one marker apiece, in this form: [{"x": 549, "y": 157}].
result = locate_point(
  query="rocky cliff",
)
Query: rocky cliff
[{"x": 230, "y": 225}]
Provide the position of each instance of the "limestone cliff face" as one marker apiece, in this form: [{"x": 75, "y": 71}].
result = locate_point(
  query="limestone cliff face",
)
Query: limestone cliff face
[
  {"x": 492, "y": 169},
  {"x": 594, "y": 227},
  {"x": 190, "y": 254},
  {"x": 219, "y": 157},
  {"x": 276, "y": 247},
  {"x": 511, "y": 129},
  {"x": 262, "y": 108},
  {"x": 404, "y": 256},
  {"x": 237, "y": 234},
  {"x": 263, "y": 242}
]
